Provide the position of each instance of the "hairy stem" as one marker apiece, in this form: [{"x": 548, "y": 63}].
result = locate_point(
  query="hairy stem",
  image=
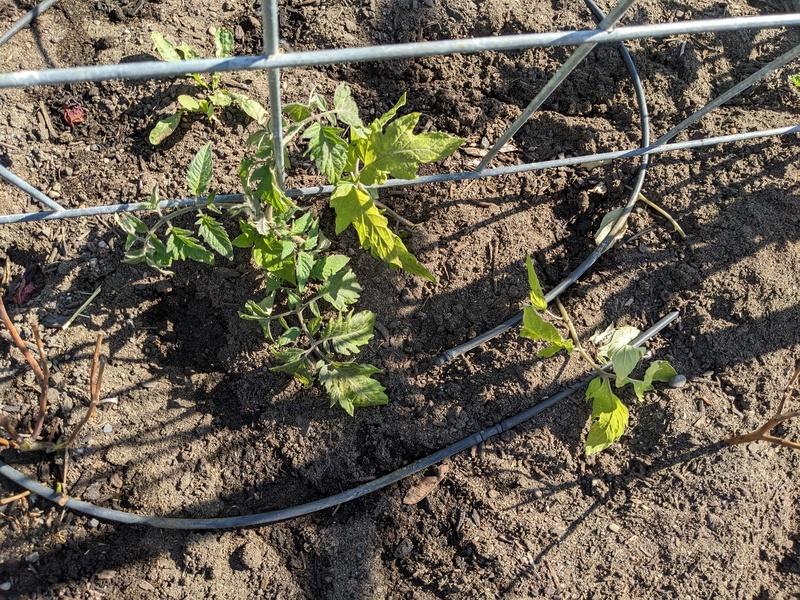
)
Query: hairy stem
[{"x": 576, "y": 340}]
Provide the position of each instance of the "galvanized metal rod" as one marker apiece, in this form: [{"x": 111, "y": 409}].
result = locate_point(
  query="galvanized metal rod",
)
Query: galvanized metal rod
[
  {"x": 30, "y": 190},
  {"x": 155, "y": 69},
  {"x": 269, "y": 22},
  {"x": 223, "y": 199},
  {"x": 25, "y": 19},
  {"x": 556, "y": 80},
  {"x": 734, "y": 91}
]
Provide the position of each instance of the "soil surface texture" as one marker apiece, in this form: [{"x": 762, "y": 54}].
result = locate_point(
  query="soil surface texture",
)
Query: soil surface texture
[{"x": 198, "y": 426}]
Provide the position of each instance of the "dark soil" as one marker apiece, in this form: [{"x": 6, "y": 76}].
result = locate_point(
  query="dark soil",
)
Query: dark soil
[{"x": 203, "y": 428}]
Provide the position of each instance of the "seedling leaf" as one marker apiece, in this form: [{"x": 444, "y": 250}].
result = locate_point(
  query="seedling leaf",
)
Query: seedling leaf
[
  {"x": 327, "y": 149},
  {"x": 223, "y": 41},
  {"x": 346, "y": 333},
  {"x": 327, "y": 266},
  {"x": 537, "y": 297},
  {"x": 251, "y": 108},
  {"x": 188, "y": 103},
  {"x": 622, "y": 336},
  {"x": 199, "y": 175},
  {"x": 607, "y": 224},
  {"x": 214, "y": 235},
  {"x": 164, "y": 128},
  {"x": 536, "y": 328},
  {"x": 341, "y": 289},
  {"x": 346, "y": 108},
  {"x": 609, "y": 415},
  {"x": 351, "y": 386},
  {"x": 165, "y": 48}
]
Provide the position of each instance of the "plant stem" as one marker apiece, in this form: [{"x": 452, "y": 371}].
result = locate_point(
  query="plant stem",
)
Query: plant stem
[
  {"x": 576, "y": 340},
  {"x": 95, "y": 383},
  {"x": 664, "y": 214},
  {"x": 314, "y": 343},
  {"x": 394, "y": 214}
]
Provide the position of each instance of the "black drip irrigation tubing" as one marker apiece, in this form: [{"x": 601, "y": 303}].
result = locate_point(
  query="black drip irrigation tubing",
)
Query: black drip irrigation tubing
[
  {"x": 587, "y": 264},
  {"x": 118, "y": 516}
]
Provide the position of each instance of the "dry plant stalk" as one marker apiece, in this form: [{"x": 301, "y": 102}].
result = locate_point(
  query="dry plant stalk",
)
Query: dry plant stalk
[
  {"x": 763, "y": 432},
  {"x": 95, "y": 383},
  {"x": 40, "y": 371}
]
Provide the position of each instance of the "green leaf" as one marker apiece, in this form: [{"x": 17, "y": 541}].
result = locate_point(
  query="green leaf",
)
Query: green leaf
[
  {"x": 609, "y": 416},
  {"x": 351, "y": 386},
  {"x": 341, "y": 289},
  {"x": 297, "y": 112},
  {"x": 301, "y": 224},
  {"x": 181, "y": 245},
  {"x": 537, "y": 297},
  {"x": 795, "y": 79},
  {"x": 250, "y": 107},
  {"x": 188, "y": 103},
  {"x": 409, "y": 262},
  {"x": 164, "y": 128},
  {"x": 621, "y": 336},
  {"x": 399, "y": 152},
  {"x": 130, "y": 224},
  {"x": 165, "y": 48},
  {"x": 220, "y": 98},
  {"x": 288, "y": 336},
  {"x": 223, "y": 41},
  {"x": 607, "y": 224},
  {"x": 389, "y": 114},
  {"x": 624, "y": 361},
  {"x": 327, "y": 149},
  {"x": 188, "y": 53},
  {"x": 659, "y": 370},
  {"x": 268, "y": 254},
  {"x": 346, "y": 108},
  {"x": 214, "y": 235},
  {"x": 199, "y": 175},
  {"x": 345, "y": 334},
  {"x": 305, "y": 262},
  {"x": 327, "y": 266},
  {"x": 536, "y": 328},
  {"x": 295, "y": 364}
]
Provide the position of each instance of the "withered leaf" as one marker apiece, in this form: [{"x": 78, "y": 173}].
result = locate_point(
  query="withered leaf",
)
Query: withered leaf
[{"x": 419, "y": 492}]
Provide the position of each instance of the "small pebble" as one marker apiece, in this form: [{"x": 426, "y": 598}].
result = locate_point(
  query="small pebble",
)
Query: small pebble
[
  {"x": 678, "y": 381},
  {"x": 94, "y": 523},
  {"x": 494, "y": 494},
  {"x": 614, "y": 528},
  {"x": 33, "y": 557},
  {"x": 107, "y": 428},
  {"x": 5, "y": 586}
]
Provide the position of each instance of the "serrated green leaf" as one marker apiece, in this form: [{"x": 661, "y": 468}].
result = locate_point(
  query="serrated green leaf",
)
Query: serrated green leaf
[
  {"x": 294, "y": 363},
  {"x": 130, "y": 224},
  {"x": 188, "y": 103},
  {"x": 346, "y": 333},
  {"x": 346, "y": 108},
  {"x": 288, "y": 336},
  {"x": 389, "y": 114},
  {"x": 187, "y": 52},
  {"x": 536, "y": 328},
  {"x": 621, "y": 336},
  {"x": 537, "y": 297},
  {"x": 296, "y": 112},
  {"x": 341, "y": 289},
  {"x": 305, "y": 263},
  {"x": 607, "y": 224},
  {"x": 251, "y": 108},
  {"x": 302, "y": 223},
  {"x": 267, "y": 188},
  {"x": 351, "y": 386},
  {"x": 214, "y": 235},
  {"x": 609, "y": 415},
  {"x": 220, "y": 98},
  {"x": 327, "y": 149},
  {"x": 164, "y": 47},
  {"x": 267, "y": 254},
  {"x": 399, "y": 152},
  {"x": 327, "y": 266},
  {"x": 199, "y": 174},
  {"x": 223, "y": 41},
  {"x": 164, "y": 128},
  {"x": 624, "y": 361},
  {"x": 182, "y": 245}
]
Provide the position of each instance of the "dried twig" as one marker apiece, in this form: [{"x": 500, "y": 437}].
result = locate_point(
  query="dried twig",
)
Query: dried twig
[
  {"x": 95, "y": 383},
  {"x": 763, "y": 432}
]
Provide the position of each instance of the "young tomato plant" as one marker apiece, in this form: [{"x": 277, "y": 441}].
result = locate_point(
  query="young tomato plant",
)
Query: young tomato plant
[
  {"x": 306, "y": 313},
  {"x": 210, "y": 95},
  {"x": 609, "y": 414}
]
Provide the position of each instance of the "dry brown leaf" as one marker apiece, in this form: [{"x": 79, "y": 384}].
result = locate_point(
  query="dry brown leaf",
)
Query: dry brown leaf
[{"x": 419, "y": 492}]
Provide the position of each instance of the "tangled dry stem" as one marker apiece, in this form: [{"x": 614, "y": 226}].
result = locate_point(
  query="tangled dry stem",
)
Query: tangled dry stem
[{"x": 763, "y": 432}]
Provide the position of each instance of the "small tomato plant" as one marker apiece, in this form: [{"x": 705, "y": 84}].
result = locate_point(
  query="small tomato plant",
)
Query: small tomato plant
[
  {"x": 609, "y": 414},
  {"x": 306, "y": 313},
  {"x": 210, "y": 96}
]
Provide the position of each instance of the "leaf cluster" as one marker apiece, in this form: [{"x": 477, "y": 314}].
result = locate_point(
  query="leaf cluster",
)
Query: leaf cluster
[
  {"x": 609, "y": 414},
  {"x": 307, "y": 312},
  {"x": 209, "y": 96}
]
